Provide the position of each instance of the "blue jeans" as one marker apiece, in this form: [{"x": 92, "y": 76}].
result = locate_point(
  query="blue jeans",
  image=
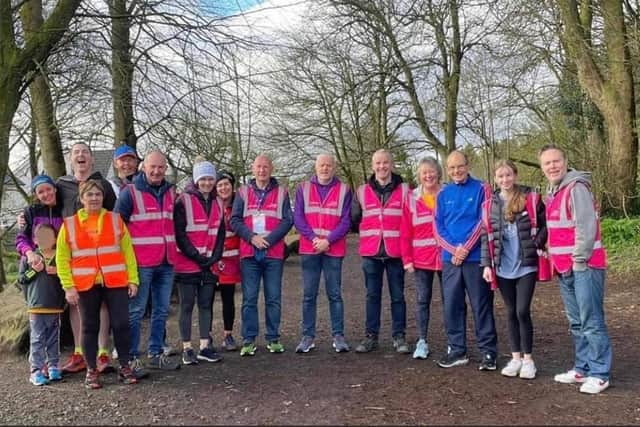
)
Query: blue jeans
[
  {"x": 423, "y": 280},
  {"x": 269, "y": 270},
  {"x": 373, "y": 269},
  {"x": 583, "y": 295},
  {"x": 157, "y": 282},
  {"x": 312, "y": 267},
  {"x": 44, "y": 337},
  {"x": 456, "y": 279}
]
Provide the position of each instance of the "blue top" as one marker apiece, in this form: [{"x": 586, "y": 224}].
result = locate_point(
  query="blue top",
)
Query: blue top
[
  {"x": 458, "y": 218},
  {"x": 510, "y": 263}
]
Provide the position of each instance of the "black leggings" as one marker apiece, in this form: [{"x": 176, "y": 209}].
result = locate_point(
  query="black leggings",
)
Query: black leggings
[
  {"x": 188, "y": 291},
  {"x": 517, "y": 295},
  {"x": 117, "y": 300},
  {"x": 227, "y": 293}
]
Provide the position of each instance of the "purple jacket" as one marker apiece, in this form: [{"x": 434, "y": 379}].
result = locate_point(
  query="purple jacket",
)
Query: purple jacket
[
  {"x": 301, "y": 223},
  {"x": 33, "y": 216}
]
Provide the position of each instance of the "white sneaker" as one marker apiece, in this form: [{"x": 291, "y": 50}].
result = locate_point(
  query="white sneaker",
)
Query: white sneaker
[
  {"x": 570, "y": 377},
  {"x": 593, "y": 385},
  {"x": 512, "y": 369},
  {"x": 422, "y": 349},
  {"x": 528, "y": 370}
]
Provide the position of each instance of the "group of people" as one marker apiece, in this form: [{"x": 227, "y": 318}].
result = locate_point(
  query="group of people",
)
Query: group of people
[{"x": 474, "y": 239}]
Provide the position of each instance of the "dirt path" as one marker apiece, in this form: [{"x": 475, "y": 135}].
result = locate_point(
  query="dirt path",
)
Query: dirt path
[{"x": 323, "y": 387}]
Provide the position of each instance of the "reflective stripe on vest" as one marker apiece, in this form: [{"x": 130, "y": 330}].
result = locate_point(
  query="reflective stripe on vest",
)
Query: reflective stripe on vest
[
  {"x": 424, "y": 247},
  {"x": 272, "y": 210},
  {"x": 90, "y": 258},
  {"x": 151, "y": 227},
  {"x": 201, "y": 230},
  {"x": 381, "y": 223},
  {"x": 561, "y": 228},
  {"x": 323, "y": 216}
]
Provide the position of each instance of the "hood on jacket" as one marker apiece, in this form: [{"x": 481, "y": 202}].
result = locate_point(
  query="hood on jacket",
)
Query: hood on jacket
[{"x": 573, "y": 176}]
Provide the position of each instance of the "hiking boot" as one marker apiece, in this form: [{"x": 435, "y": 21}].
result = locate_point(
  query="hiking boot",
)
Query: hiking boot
[
  {"x": 275, "y": 347},
  {"x": 340, "y": 344},
  {"x": 55, "y": 374},
  {"x": 368, "y": 344},
  {"x": 422, "y": 349},
  {"x": 137, "y": 367},
  {"x": 512, "y": 369},
  {"x": 248, "y": 349},
  {"x": 126, "y": 375},
  {"x": 400, "y": 344},
  {"x": 451, "y": 360},
  {"x": 75, "y": 364},
  {"x": 528, "y": 370},
  {"x": 488, "y": 363},
  {"x": 92, "y": 380},
  {"x": 189, "y": 357},
  {"x": 38, "y": 378},
  {"x": 229, "y": 344},
  {"x": 209, "y": 354},
  {"x": 593, "y": 385},
  {"x": 570, "y": 377},
  {"x": 305, "y": 345},
  {"x": 162, "y": 361},
  {"x": 103, "y": 364}
]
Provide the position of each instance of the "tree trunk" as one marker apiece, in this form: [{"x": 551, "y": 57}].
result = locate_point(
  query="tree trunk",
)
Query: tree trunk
[
  {"x": 42, "y": 102},
  {"x": 122, "y": 74}
]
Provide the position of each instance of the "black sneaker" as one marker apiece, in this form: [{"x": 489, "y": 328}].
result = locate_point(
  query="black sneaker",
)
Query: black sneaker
[
  {"x": 369, "y": 343},
  {"x": 209, "y": 354},
  {"x": 161, "y": 361},
  {"x": 189, "y": 357},
  {"x": 488, "y": 363},
  {"x": 450, "y": 360}
]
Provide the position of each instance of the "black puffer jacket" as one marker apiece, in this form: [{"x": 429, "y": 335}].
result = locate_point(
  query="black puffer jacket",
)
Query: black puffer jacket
[{"x": 528, "y": 246}]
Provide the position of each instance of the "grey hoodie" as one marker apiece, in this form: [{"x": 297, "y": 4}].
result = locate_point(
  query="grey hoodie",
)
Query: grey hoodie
[{"x": 584, "y": 214}]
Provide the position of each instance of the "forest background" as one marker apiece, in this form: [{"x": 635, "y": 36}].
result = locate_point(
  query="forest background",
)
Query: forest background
[{"x": 495, "y": 78}]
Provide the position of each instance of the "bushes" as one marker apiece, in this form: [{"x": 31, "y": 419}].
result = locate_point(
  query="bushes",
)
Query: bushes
[{"x": 621, "y": 238}]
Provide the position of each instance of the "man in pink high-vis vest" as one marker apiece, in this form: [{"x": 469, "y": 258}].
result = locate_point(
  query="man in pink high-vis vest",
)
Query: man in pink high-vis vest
[
  {"x": 322, "y": 217},
  {"x": 577, "y": 254}
]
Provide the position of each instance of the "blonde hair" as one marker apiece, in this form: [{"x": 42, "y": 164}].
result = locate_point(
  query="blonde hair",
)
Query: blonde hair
[{"x": 518, "y": 199}]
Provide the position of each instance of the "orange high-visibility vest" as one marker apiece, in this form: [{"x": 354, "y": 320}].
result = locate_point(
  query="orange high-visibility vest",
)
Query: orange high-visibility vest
[{"x": 89, "y": 258}]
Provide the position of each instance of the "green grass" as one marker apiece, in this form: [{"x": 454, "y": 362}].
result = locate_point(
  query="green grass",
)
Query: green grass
[{"x": 621, "y": 238}]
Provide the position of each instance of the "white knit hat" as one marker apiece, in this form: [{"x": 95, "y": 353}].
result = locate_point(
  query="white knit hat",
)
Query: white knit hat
[{"x": 203, "y": 170}]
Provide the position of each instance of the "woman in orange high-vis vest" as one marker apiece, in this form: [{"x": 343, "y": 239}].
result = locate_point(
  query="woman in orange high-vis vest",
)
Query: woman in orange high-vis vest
[{"x": 96, "y": 264}]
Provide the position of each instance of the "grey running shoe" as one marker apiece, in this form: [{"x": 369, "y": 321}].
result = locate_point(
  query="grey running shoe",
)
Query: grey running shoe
[
  {"x": 189, "y": 357},
  {"x": 400, "y": 344},
  {"x": 369, "y": 343},
  {"x": 161, "y": 361},
  {"x": 305, "y": 345},
  {"x": 451, "y": 360},
  {"x": 339, "y": 344}
]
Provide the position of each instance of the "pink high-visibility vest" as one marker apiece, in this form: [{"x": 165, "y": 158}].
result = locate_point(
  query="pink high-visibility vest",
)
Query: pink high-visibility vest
[
  {"x": 381, "y": 223},
  {"x": 418, "y": 242},
  {"x": 151, "y": 227},
  {"x": 271, "y": 209},
  {"x": 561, "y": 227},
  {"x": 228, "y": 268},
  {"x": 202, "y": 231},
  {"x": 323, "y": 216}
]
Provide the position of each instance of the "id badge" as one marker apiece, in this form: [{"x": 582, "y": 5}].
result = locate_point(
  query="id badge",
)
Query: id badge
[{"x": 259, "y": 224}]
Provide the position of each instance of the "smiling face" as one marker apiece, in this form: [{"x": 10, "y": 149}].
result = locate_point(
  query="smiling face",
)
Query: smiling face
[
  {"x": 206, "y": 184},
  {"x": 262, "y": 169},
  {"x": 126, "y": 166},
  {"x": 554, "y": 165},
  {"x": 382, "y": 166},
  {"x": 46, "y": 194},
  {"x": 506, "y": 178},
  {"x": 325, "y": 168},
  {"x": 224, "y": 189},
  {"x": 457, "y": 167},
  {"x": 428, "y": 176},
  {"x": 155, "y": 167},
  {"x": 81, "y": 159}
]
